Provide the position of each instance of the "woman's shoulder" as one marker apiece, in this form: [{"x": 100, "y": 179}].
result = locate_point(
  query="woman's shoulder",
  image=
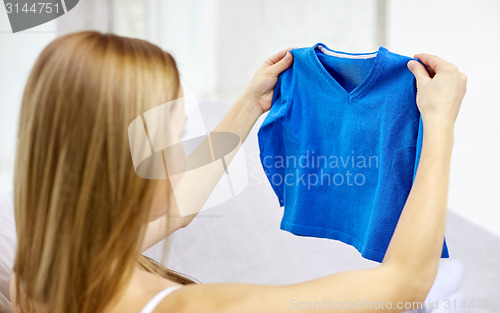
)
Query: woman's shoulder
[{"x": 140, "y": 291}]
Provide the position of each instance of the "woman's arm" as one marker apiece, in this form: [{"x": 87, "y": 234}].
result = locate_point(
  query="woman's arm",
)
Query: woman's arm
[
  {"x": 417, "y": 242},
  {"x": 193, "y": 190},
  {"x": 410, "y": 265}
]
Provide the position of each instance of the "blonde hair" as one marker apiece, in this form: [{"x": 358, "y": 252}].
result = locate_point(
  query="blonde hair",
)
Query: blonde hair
[{"x": 80, "y": 208}]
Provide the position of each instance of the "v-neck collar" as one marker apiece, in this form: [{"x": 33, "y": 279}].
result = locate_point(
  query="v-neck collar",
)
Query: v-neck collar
[{"x": 379, "y": 56}]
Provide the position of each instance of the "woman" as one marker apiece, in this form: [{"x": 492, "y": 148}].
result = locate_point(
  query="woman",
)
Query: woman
[{"x": 83, "y": 216}]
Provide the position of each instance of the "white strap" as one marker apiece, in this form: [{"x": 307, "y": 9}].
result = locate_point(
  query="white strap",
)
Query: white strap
[{"x": 153, "y": 303}]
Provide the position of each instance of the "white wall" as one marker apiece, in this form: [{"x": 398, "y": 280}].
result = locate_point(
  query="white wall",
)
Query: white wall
[
  {"x": 251, "y": 31},
  {"x": 185, "y": 29},
  {"x": 18, "y": 53},
  {"x": 465, "y": 33},
  {"x": 219, "y": 44}
]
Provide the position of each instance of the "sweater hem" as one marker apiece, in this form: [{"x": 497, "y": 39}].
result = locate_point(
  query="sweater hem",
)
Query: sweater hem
[
  {"x": 311, "y": 231},
  {"x": 318, "y": 232}
]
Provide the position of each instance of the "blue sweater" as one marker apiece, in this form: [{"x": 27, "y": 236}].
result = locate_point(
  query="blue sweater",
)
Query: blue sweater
[{"x": 341, "y": 143}]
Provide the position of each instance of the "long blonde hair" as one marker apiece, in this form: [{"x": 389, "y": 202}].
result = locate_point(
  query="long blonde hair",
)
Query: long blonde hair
[{"x": 80, "y": 208}]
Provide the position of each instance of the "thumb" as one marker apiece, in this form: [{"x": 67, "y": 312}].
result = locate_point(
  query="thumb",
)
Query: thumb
[
  {"x": 281, "y": 65},
  {"x": 418, "y": 70}
]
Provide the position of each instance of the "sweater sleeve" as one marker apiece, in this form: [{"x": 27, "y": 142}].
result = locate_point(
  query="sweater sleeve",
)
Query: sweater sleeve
[{"x": 270, "y": 135}]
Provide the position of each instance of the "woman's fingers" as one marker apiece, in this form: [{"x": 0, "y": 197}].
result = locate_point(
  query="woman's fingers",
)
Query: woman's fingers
[
  {"x": 276, "y": 69},
  {"x": 434, "y": 62},
  {"x": 278, "y": 56},
  {"x": 439, "y": 98},
  {"x": 431, "y": 71},
  {"x": 279, "y": 62},
  {"x": 418, "y": 71}
]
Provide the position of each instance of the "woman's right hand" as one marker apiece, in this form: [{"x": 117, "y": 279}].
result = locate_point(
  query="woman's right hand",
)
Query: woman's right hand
[{"x": 440, "y": 94}]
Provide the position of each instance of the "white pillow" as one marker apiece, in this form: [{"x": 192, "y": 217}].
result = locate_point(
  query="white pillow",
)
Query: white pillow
[{"x": 8, "y": 243}]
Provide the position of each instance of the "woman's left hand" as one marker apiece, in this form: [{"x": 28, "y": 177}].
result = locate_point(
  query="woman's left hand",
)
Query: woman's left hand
[{"x": 261, "y": 87}]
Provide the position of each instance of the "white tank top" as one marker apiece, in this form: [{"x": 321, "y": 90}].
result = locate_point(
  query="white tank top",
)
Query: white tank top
[{"x": 153, "y": 303}]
